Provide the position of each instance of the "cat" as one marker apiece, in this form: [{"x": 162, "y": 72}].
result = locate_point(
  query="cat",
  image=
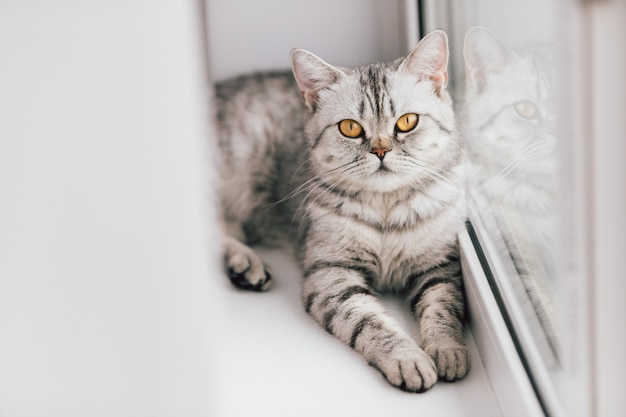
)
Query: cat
[
  {"x": 360, "y": 171},
  {"x": 507, "y": 121}
]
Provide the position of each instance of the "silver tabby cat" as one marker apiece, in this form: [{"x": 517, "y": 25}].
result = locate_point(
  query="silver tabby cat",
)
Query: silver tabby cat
[{"x": 360, "y": 171}]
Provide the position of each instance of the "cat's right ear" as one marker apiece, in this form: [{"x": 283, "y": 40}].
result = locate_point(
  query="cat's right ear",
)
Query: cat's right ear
[
  {"x": 312, "y": 75},
  {"x": 429, "y": 60},
  {"x": 484, "y": 55}
]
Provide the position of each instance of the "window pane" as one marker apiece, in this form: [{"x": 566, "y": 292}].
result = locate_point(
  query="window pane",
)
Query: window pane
[
  {"x": 503, "y": 76},
  {"x": 508, "y": 122}
]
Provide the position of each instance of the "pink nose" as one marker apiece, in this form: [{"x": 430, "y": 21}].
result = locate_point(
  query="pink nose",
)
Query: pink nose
[{"x": 380, "y": 152}]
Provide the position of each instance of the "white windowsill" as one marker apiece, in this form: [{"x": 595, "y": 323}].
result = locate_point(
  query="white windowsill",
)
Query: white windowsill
[{"x": 271, "y": 357}]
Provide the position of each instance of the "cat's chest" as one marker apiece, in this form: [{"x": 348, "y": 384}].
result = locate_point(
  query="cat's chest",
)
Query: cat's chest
[
  {"x": 407, "y": 252},
  {"x": 386, "y": 214},
  {"x": 399, "y": 238}
]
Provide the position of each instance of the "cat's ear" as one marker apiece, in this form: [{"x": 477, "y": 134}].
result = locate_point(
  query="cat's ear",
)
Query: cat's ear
[
  {"x": 484, "y": 55},
  {"x": 312, "y": 75},
  {"x": 429, "y": 60}
]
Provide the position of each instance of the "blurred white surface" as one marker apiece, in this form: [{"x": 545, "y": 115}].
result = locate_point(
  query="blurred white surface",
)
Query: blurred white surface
[{"x": 103, "y": 225}]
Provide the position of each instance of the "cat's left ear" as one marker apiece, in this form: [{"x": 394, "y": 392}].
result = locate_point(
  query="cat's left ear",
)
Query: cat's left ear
[
  {"x": 429, "y": 60},
  {"x": 312, "y": 75}
]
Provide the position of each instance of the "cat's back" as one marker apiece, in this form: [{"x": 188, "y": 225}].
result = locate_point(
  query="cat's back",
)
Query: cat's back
[
  {"x": 261, "y": 111},
  {"x": 245, "y": 100},
  {"x": 260, "y": 120}
]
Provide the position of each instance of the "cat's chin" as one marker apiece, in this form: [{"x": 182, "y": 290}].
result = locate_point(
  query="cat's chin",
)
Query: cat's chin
[{"x": 386, "y": 181}]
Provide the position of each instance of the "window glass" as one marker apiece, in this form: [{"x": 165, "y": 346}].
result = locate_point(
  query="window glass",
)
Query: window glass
[
  {"x": 508, "y": 123},
  {"x": 503, "y": 79}
]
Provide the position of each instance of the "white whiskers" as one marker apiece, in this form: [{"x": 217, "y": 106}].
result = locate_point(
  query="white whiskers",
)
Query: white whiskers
[{"x": 530, "y": 151}]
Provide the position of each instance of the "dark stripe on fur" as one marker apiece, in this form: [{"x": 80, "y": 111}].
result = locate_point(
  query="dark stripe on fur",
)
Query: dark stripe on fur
[
  {"x": 339, "y": 191},
  {"x": 431, "y": 283},
  {"x": 358, "y": 329},
  {"x": 392, "y": 106},
  {"x": 319, "y": 137},
  {"x": 349, "y": 292},
  {"x": 404, "y": 198},
  {"x": 362, "y": 255},
  {"x": 448, "y": 267},
  {"x": 375, "y": 87},
  {"x": 328, "y": 318},
  {"x": 309, "y": 301},
  {"x": 369, "y": 99},
  {"x": 340, "y": 299},
  {"x": 352, "y": 291}
]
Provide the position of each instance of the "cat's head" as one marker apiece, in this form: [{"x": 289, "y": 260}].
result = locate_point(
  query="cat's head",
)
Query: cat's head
[
  {"x": 508, "y": 118},
  {"x": 380, "y": 127}
]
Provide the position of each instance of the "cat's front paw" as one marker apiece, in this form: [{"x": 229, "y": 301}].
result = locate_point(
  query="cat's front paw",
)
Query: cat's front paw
[
  {"x": 409, "y": 369},
  {"x": 451, "y": 358},
  {"x": 245, "y": 268}
]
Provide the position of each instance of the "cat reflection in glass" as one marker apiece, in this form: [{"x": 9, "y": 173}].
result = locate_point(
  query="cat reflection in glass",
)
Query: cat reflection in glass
[
  {"x": 508, "y": 125},
  {"x": 360, "y": 171}
]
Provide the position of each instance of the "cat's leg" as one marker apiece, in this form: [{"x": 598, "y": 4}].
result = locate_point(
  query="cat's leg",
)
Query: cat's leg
[
  {"x": 244, "y": 267},
  {"x": 437, "y": 301},
  {"x": 341, "y": 302}
]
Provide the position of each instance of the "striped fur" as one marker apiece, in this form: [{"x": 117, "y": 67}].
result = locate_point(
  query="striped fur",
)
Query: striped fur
[{"x": 361, "y": 223}]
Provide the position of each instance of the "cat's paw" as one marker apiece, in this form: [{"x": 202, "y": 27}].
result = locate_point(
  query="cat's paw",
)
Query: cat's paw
[
  {"x": 451, "y": 358},
  {"x": 245, "y": 268},
  {"x": 409, "y": 369}
]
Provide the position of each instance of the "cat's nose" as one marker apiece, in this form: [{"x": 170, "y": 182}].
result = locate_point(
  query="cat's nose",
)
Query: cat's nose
[{"x": 380, "y": 152}]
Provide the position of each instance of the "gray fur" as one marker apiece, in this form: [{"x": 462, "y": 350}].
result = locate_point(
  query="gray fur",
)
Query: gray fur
[{"x": 360, "y": 223}]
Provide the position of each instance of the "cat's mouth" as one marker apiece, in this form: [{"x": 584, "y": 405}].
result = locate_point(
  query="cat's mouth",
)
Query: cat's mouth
[{"x": 383, "y": 169}]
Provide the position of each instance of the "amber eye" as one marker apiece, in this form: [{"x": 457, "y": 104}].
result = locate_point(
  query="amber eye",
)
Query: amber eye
[
  {"x": 350, "y": 128},
  {"x": 525, "y": 109},
  {"x": 407, "y": 122}
]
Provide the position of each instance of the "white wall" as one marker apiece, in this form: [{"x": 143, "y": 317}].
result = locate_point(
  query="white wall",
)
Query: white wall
[
  {"x": 104, "y": 251},
  {"x": 254, "y": 35}
]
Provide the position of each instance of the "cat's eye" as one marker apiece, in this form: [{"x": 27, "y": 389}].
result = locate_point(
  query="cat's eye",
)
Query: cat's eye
[
  {"x": 525, "y": 109},
  {"x": 407, "y": 122},
  {"x": 350, "y": 128}
]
